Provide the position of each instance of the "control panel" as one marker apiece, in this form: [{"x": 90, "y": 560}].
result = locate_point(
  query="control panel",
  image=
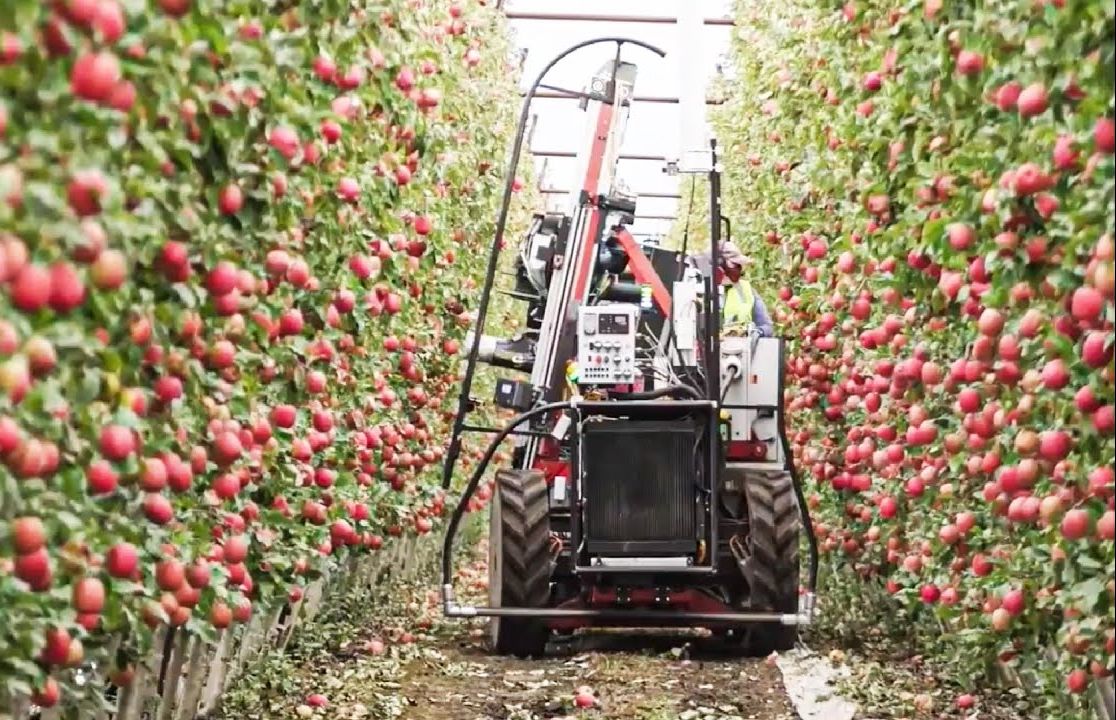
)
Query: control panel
[{"x": 606, "y": 344}]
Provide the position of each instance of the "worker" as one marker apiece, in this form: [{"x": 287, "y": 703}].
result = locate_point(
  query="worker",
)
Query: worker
[{"x": 740, "y": 305}]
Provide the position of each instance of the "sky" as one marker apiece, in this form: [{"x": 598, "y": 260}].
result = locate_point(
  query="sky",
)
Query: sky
[{"x": 653, "y": 128}]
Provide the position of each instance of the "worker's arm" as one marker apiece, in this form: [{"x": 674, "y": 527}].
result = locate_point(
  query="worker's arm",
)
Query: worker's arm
[{"x": 761, "y": 319}]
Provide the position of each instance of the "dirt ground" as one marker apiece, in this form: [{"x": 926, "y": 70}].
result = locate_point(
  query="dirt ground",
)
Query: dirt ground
[
  {"x": 402, "y": 661},
  {"x": 391, "y": 655},
  {"x": 643, "y": 677}
]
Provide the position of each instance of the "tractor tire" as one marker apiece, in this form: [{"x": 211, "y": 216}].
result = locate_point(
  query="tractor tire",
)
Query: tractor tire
[
  {"x": 519, "y": 563},
  {"x": 775, "y": 524}
]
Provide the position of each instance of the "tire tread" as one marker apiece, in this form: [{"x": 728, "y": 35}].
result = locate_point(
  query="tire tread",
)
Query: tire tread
[
  {"x": 775, "y": 525},
  {"x": 526, "y": 563}
]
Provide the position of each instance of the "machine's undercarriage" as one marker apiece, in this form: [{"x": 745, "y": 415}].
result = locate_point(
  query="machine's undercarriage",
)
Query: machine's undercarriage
[{"x": 651, "y": 483}]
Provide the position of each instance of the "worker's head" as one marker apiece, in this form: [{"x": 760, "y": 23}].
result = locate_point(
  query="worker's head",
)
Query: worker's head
[{"x": 731, "y": 265}]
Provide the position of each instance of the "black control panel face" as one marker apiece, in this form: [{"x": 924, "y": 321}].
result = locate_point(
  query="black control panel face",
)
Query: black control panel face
[{"x": 613, "y": 324}]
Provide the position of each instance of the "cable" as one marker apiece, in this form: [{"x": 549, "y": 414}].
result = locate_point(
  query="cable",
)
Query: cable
[
  {"x": 686, "y": 227},
  {"x": 482, "y": 466},
  {"x": 698, "y": 469},
  {"x": 681, "y": 267},
  {"x": 671, "y": 376},
  {"x": 474, "y": 481},
  {"x": 657, "y": 353},
  {"x": 695, "y": 375},
  {"x": 653, "y": 394},
  {"x": 803, "y": 509},
  {"x": 733, "y": 371},
  {"x": 672, "y": 344}
]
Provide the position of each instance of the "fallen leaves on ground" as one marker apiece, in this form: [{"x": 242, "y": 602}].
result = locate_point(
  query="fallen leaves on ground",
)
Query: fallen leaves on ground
[{"x": 445, "y": 672}]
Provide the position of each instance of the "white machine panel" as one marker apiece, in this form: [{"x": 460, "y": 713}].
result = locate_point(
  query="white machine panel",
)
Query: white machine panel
[
  {"x": 606, "y": 344},
  {"x": 685, "y": 305},
  {"x": 754, "y": 364},
  {"x": 750, "y": 376}
]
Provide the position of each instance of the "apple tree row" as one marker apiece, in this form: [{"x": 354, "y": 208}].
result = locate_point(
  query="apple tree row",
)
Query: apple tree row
[
  {"x": 239, "y": 243},
  {"x": 926, "y": 189}
]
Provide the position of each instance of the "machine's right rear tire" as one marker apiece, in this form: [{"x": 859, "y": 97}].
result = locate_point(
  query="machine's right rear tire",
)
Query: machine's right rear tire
[
  {"x": 519, "y": 563},
  {"x": 774, "y": 526}
]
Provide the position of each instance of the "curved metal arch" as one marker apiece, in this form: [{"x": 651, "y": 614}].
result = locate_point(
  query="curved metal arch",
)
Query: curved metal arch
[{"x": 454, "y": 449}]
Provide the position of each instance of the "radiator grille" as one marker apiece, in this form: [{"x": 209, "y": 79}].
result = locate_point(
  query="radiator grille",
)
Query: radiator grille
[{"x": 639, "y": 485}]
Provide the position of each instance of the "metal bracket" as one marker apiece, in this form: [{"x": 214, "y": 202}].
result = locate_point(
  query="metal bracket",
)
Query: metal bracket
[{"x": 804, "y": 616}]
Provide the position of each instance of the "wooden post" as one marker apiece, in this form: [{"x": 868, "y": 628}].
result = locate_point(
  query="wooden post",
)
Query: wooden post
[
  {"x": 19, "y": 708},
  {"x": 218, "y": 671},
  {"x": 1104, "y": 699},
  {"x": 413, "y": 560},
  {"x": 272, "y": 629},
  {"x": 187, "y": 705},
  {"x": 174, "y": 675},
  {"x": 238, "y": 654},
  {"x": 352, "y": 575},
  {"x": 133, "y": 698}
]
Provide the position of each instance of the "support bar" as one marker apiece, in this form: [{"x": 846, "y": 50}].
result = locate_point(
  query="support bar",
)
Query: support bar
[
  {"x": 643, "y": 271},
  {"x": 667, "y": 617},
  {"x": 662, "y": 100},
  {"x": 615, "y": 569},
  {"x": 670, "y": 196},
  {"x": 570, "y": 154},
  {"x": 592, "y": 17},
  {"x": 493, "y": 431}
]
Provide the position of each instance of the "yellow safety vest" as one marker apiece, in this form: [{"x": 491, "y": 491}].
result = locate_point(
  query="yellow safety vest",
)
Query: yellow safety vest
[{"x": 739, "y": 303}]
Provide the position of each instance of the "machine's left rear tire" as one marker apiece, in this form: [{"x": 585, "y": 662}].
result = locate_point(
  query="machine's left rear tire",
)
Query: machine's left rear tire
[{"x": 519, "y": 563}]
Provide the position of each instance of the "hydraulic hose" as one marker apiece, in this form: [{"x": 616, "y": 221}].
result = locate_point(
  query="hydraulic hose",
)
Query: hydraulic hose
[
  {"x": 804, "y": 511},
  {"x": 474, "y": 481},
  {"x": 671, "y": 390},
  {"x": 732, "y": 371}
]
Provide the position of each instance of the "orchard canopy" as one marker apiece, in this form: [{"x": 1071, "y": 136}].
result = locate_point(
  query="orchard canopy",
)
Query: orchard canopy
[
  {"x": 237, "y": 247},
  {"x": 240, "y": 245},
  {"x": 927, "y": 189}
]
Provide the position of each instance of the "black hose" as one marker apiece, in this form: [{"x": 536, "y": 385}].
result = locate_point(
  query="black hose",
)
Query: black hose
[
  {"x": 804, "y": 511},
  {"x": 733, "y": 371},
  {"x": 474, "y": 481},
  {"x": 658, "y": 393}
]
